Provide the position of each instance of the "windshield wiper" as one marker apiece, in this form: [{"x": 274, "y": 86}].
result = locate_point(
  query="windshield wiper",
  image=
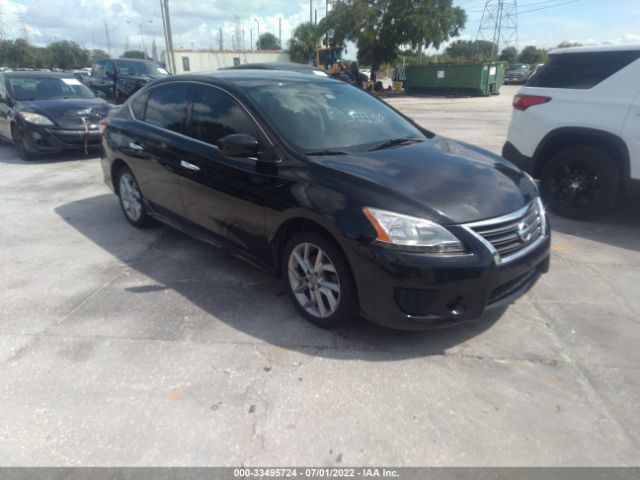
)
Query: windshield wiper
[
  {"x": 395, "y": 141},
  {"x": 326, "y": 152}
]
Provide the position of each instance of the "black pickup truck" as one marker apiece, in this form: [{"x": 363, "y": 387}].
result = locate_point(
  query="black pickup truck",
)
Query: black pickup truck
[{"x": 118, "y": 79}]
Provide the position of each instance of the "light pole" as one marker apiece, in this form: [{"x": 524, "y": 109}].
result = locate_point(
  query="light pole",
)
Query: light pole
[
  {"x": 258, "y": 22},
  {"x": 144, "y": 47}
]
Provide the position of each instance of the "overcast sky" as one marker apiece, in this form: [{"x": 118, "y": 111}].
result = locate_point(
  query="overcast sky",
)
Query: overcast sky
[{"x": 196, "y": 23}]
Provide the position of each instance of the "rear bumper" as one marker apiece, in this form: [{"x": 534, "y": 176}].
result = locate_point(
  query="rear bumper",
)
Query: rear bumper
[
  {"x": 412, "y": 291},
  {"x": 511, "y": 153},
  {"x": 40, "y": 139}
]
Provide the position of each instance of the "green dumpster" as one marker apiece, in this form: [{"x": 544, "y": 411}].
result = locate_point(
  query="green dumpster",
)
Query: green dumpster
[{"x": 455, "y": 78}]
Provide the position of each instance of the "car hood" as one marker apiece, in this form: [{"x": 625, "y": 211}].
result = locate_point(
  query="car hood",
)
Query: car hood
[
  {"x": 68, "y": 113},
  {"x": 447, "y": 181}
]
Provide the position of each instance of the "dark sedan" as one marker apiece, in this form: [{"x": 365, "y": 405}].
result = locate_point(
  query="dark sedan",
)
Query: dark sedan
[
  {"x": 361, "y": 210},
  {"x": 517, "y": 73},
  {"x": 43, "y": 112}
]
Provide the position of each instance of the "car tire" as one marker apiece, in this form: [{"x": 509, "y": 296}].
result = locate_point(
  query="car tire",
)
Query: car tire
[
  {"x": 580, "y": 182},
  {"x": 19, "y": 143},
  {"x": 131, "y": 199},
  {"x": 322, "y": 289}
]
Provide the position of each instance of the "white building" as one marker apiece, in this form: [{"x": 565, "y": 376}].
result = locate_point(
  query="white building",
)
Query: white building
[{"x": 209, "y": 60}]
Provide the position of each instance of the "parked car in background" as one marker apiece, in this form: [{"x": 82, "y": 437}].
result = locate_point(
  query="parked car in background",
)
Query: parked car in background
[
  {"x": 43, "y": 112},
  {"x": 81, "y": 75},
  {"x": 517, "y": 73},
  {"x": 576, "y": 127},
  {"x": 361, "y": 210},
  {"x": 117, "y": 79}
]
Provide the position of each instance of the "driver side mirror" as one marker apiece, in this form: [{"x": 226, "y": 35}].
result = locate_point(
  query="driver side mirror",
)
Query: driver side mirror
[
  {"x": 101, "y": 94},
  {"x": 238, "y": 145},
  {"x": 110, "y": 73}
]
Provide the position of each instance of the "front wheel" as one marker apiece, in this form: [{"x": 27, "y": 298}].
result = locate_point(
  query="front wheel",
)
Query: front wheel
[
  {"x": 131, "y": 199},
  {"x": 21, "y": 146},
  {"x": 580, "y": 182},
  {"x": 319, "y": 280}
]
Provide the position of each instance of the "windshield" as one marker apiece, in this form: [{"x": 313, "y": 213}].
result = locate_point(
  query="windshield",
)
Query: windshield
[
  {"x": 132, "y": 67},
  {"x": 330, "y": 116},
  {"x": 48, "y": 88}
]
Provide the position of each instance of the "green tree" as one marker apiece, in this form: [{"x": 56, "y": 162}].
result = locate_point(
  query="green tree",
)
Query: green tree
[
  {"x": 65, "y": 55},
  {"x": 134, "y": 54},
  {"x": 471, "y": 51},
  {"x": 268, "y": 41},
  {"x": 568, "y": 45},
  {"x": 509, "y": 54},
  {"x": 98, "y": 54},
  {"x": 304, "y": 41},
  {"x": 379, "y": 27},
  {"x": 532, "y": 55}
]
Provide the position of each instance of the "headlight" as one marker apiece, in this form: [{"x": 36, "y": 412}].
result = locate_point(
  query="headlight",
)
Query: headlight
[
  {"x": 412, "y": 233},
  {"x": 35, "y": 118}
]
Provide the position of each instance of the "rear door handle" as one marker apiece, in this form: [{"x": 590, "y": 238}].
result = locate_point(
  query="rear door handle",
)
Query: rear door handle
[
  {"x": 135, "y": 146},
  {"x": 189, "y": 166}
]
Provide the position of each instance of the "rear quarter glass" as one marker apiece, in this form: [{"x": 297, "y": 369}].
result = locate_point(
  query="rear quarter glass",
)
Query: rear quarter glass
[{"x": 581, "y": 70}]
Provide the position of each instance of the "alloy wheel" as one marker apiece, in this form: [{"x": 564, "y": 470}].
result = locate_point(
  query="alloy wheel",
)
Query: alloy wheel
[
  {"x": 314, "y": 280},
  {"x": 575, "y": 184},
  {"x": 130, "y": 197}
]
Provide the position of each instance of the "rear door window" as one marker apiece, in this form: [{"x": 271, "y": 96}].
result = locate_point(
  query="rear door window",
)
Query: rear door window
[
  {"x": 167, "y": 107},
  {"x": 581, "y": 70}
]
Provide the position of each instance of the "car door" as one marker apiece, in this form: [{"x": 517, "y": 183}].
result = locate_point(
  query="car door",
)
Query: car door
[
  {"x": 155, "y": 144},
  {"x": 631, "y": 136},
  {"x": 100, "y": 81},
  {"x": 5, "y": 110},
  {"x": 226, "y": 195}
]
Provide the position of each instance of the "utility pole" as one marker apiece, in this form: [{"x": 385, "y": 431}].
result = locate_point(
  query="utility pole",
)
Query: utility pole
[
  {"x": 22, "y": 20},
  {"x": 280, "y": 31},
  {"x": 154, "y": 51},
  {"x": 221, "y": 43},
  {"x": 236, "y": 40},
  {"x": 106, "y": 36},
  {"x": 316, "y": 14},
  {"x": 499, "y": 25},
  {"x": 251, "y": 44},
  {"x": 3, "y": 34},
  {"x": 310, "y": 11},
  {"x": 168, "y": 38},
  {"x": 258, "y": 22}
]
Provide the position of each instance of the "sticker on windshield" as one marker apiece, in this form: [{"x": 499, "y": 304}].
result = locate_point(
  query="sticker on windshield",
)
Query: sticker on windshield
[{"x": 71, "y": 81}]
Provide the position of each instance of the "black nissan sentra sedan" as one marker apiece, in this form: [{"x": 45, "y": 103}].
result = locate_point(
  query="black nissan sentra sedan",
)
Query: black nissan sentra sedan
[
  {"x": 43, "y": 112},
  {"x": 362, "y": 211}
]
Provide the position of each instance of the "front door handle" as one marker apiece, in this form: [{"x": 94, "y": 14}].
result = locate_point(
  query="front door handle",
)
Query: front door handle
[
  {"x": 189, "y": 165},
  {"x": 135, "y": 146}
]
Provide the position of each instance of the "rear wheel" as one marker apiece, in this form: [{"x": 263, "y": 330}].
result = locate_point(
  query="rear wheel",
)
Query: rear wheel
[
  {"x": 580, "y": 182},
  {"x": 19, "y": 142},
  {"x": 131, "y": 199},
  {"x": 319, "y": 280}
]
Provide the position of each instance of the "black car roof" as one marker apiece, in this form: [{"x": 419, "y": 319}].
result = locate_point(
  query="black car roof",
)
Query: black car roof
[
  {"x": 247, "y": 78},
  {"x": 287, "y": 66},
  {"x": 36, "y": 73}
]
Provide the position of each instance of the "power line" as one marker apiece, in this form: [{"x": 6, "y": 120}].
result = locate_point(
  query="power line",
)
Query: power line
[{"x": 550, "y": 6}]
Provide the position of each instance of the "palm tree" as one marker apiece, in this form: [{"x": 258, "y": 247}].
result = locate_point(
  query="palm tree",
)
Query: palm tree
[{"x": 304, "y": 42}]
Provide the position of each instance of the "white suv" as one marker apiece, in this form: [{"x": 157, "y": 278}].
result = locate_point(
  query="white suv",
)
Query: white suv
[{"x": 576, "y": 127}]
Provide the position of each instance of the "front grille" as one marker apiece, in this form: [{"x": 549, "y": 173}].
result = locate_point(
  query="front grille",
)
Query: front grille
[{"x": 512, "y": 234}]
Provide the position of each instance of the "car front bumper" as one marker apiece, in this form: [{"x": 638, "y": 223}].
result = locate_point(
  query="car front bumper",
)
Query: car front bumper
[
  {"x": 511, "y": 153},
  {"x": 414, "y": 291},
  {"x": 39, "y": 139}
]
